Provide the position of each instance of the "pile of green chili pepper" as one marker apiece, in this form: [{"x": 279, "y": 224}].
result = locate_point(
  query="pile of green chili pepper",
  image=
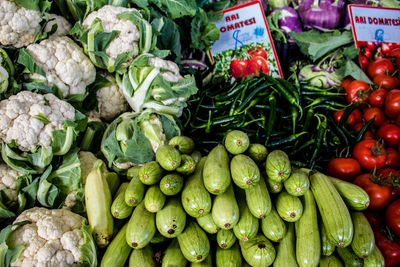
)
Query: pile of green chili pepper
[{"x": 292, "y": 116}]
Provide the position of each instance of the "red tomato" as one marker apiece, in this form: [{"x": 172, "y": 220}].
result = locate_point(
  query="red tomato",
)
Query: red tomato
[
  {"x": 357, "y": 91},
  {"x": 392, "y": 104},
  {"x": 385, "y": 81},
  {"x": 379, "y": 196},
  {"x": 393, "y": 158},
  {"x": 395, "y": 52},
  {"x": 364, "y": 62},
  {"x": 337, "y": 116},
  {"x": 380, "y": 66},
  {"x": 368, "y": 53},
  {"x": 368, "y": 135},
  {"x": 378, "y": 53},
  {"x": 370, "y": 154},
  {"x": 389, "y": 249},
  {"x": 377, "y": 97},
  {"x": 358, "y": 126},
  {"x": 238, "y": 67},
  {"x": 257, "y": 51},
  {"x": 344, "y": 168},
  {"x": 392, "y": 217},
  {"x": 398, "y": 62},
  {"x": 386, "y": 175},
  {"x": 357, "y": 115},
  {"x": 375, "y": 219},
  {"x": 346, "y": 82},
  {"x": 387, "y": 48},
  {"x": 371, "y": 45},
  {"x": 390, "y": 133},
  {"x": 257, "y": 63},
  {"x": 374, "y": 112}
]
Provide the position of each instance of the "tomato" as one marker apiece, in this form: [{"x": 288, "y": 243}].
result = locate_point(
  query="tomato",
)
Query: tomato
[
  {"x": 379, "y": 195},
  {"x": 392, "y": 104},
  {"x": 357, "y": 91},
  {"x": 358, "y": 126},
  {"x": 385, "y": 81},
  {"x": 387, "y": 48},
  {"x": 377, "y": 97},
  {"x": 374, "y": 112},
  {"x": 257, "y": 51},
  {"x": 371, "y": 45},
  {"x": 395, "y": 52},
  {"x": 390, "y": 133},
  {"x": 378, "y": 53},
  {"x": 238, "y": 68},
  {"x": 370, "y": 154},
  {"x": 374, "y": 218},
  {"x": 368, "y": 135},
  {"x": 392, "y": 217},
  {"x": 364, "y": 62},
  {"x": 346, "y": 82},
  {"x": 367, "y": 53},
  {"x": 356, "y": 113},
  {"x": 337, "y": 116},
  {"x": 380, "y": 66},
  {"x": 255, "y": 64},
  {"x": 393, "y": 158},
  {"x": 344, "y": 168},
  {"x": 389, "y": 249}
]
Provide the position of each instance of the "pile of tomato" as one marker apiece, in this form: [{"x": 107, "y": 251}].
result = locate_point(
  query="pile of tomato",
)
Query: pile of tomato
[
  {"x": 255, "y": 62},
  {"x": 375, "y": 161}
]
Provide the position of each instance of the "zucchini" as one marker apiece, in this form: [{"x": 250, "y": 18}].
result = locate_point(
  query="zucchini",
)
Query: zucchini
[
  {"x": 141, "y": 227},
  {"x": 171, "y": 184},
  {"x": 119, "y": 209},
  {"x": 171, "y": 220},
  {"x": 117, "y": 251},
  {"x": 244, "y": 171},
  {"x": 273, "y": 227},
  {"x": 286, "y": 255},
  {"x": 258, "y": 199},
  {"x": 334, "y": 213},
  {"x": 150, "y": 173},
  {"x": 363, "y": 240},
  {"x": 194, "y": 243},
  {"x": 273, "y": 186},
  {"x": 236, "y": 142},
  {"x": 134, "y": 192},
  {"x": 173, "y": 256},
  {"x": 168, "y": 157},
  {"x": 258, "y": 251},
  {"x": 330, "y": 261},
  {"x": 206, "y": 263},
  {"x": 349, "y": 258},
  {"x": 183, "y": 143},
  {"x": 216, "y": 173},
  {"x": 278, "y": 166},
  {"x": 195, "y": 198},
  {"x": 298, "y": 183},
  {"x": 225, "y": 238},
  {"x": 308, "y": 244},
  {"x": 154, "y": 199},
  {"x": 375, "y": 259},
  {"x": 225, "y": 210},
  {"x": 354, "y": 196},
  {"x": 188, "y": 165},
  {"x": 247, "y": 227},
  {"x": 289, "y": 207},
  {"x": 230, "y": 257},
  {"x": 207, "y": 223},
  {"x": 328, "y": 247},
  {"x": 142, "y": 257}
]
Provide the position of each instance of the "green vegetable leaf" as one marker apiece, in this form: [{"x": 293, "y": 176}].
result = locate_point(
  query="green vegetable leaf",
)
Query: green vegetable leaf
[
  {"x": 203, "y": 33},
  {"x": 29, "y": 4},
  {"x": 349, "y": 68},
  {"x": 41, "y": 118},
  {"x": 88, "y": 249},
  {"x": 176, "y": 8},
  {"x": 26, "y": 59},
  {"x": 141, "y": 3},
  {"x": 350, "y": 52},
  {"x": 315, "y": 44},
  {"x": 169, "y": 37}
]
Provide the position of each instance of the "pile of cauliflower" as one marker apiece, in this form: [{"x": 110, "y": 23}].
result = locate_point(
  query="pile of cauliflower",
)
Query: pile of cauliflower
[{"x": 63, "y": 81}]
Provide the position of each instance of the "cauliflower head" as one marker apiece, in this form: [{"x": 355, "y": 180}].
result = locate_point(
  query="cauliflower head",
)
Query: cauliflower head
[
  {"x": 29, "y": 119},
  {"x": 53, "y": 238},
  {"x": 111, "y": 101},
  {"x": 19, "y": 26},
  {"x": 127, "y": 39},
  {"x": 170, "y": 69},
  {"x": 87, "y": 160},
  {"x": 8, "y": 181},
  {"x": 64, "y": 63}
]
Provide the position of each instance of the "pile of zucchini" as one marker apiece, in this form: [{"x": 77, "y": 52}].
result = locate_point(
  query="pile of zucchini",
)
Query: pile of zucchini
[{"x": 237, "y": 206}]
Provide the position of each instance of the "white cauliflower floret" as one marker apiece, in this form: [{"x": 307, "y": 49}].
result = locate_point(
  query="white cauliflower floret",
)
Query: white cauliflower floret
[
  {"x": 8, "y": 181},
  {"x": 53, "y": 238},
  {"x": 64, "y": 63},
  {"x": 170, "y": 70},
  {"x": 63, "y": 26},
  {"x": 19, "y": 26},
  {"x": 126, "y": 40},
  {"x": 111, "y": 101},
  {"x": 17, "y": 121},
  {"x": 87, "y": 160}
]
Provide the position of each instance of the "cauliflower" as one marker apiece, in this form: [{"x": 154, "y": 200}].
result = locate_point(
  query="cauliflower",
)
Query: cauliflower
[
  {"x": 8, "y": 182},
  {"x": 29, "y": 119},
  {"x": 20, "y": 26},
  {"x": 128, "y": 38},
  {"x": 87, "y": 160},
  {"x": 170, "y": 69},
  {"x": 111, "y": 101},
  {"x": 64, "y": 64},
  {"x": 52, "y": 238}
]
